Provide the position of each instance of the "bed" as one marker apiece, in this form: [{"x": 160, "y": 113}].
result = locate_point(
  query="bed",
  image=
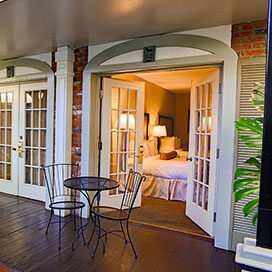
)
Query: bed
[{"x": 166, "y": 179}]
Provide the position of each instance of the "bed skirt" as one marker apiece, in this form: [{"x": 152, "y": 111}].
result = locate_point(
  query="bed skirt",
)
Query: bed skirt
[{"x": 169, "y": 189}]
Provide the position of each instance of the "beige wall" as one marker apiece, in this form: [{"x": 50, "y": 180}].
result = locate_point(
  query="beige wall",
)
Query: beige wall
[
  {"x": 157, "y": 101},
  {"x": 181, "y": 118}
]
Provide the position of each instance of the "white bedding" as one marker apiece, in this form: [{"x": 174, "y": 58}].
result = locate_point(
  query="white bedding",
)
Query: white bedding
[
  {"x": 176, "y": 168},
  {"x": 165, "y": 188}
]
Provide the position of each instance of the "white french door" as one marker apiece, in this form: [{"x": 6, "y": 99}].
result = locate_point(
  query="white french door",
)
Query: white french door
[
  {"x": 32, "y": 131},
  {"x": 203, "y": 151},
  {"x": 9, "y": 114},
  {"x": 122, "y": 135},
  {"x": 23, "y": 146}
]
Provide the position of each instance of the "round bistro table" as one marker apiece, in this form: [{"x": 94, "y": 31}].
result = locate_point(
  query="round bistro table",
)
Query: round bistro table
[{"x": 86, "y": 185}]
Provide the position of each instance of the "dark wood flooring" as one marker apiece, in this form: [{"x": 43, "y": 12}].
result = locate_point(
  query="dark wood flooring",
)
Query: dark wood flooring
[{"x": 24, "y": 246}]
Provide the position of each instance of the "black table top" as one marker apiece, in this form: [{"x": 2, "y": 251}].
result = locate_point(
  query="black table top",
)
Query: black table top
[{"x": 91, "y": 183}]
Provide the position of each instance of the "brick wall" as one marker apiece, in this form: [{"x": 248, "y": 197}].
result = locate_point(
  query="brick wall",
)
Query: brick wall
[
  {"x": 81, "y": 60},
  {"x": 249, "y": 39}
]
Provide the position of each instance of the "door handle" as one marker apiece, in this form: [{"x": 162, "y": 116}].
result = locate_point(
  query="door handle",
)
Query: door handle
[
  {"x": 20, "y": 149},
  {"x": 189, "y": 159},
  {"x": 141, "y": 154}
]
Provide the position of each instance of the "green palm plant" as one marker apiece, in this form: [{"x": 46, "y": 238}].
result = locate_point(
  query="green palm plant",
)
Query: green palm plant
[{"x": 247, "y": 179}]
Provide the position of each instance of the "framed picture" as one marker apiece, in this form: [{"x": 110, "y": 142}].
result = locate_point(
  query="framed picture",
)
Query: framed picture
[
  {"x": 146, "y": 124},
  {"x": 168, "y": 122}
]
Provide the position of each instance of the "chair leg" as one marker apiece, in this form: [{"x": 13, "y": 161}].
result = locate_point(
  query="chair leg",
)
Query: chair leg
[
  {"x": 121, "y": 224},
  {"x": 49, "y": 222},
  {"x": 81, "y": 227},
  {"x": 93, "y": 223},
  {"x": 131, "y": 242},
  {"x": 59, "y": 228}
]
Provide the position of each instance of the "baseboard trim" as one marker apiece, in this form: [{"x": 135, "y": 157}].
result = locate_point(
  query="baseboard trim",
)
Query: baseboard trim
[{"x": 22, "y": 197}]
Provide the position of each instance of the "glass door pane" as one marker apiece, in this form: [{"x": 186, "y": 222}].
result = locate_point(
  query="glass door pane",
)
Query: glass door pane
[
  {"x": 123, "y": 134},
  {"x": 6, "y": 108},
  {"x": 35, "y": 135},
  {"x": 202, "y": 135}
]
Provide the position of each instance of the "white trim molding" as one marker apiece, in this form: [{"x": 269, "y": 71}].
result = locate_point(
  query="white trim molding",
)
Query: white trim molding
[{"x": 251, "y": 255}]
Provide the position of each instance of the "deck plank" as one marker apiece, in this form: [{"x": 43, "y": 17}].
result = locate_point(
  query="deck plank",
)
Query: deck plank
[{"x": 25, "y": 246}]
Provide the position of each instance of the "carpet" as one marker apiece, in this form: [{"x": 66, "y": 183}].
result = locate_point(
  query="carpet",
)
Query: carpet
[
  {"x": 7, "y": 268},
  {"x": 167, "y": 214}
]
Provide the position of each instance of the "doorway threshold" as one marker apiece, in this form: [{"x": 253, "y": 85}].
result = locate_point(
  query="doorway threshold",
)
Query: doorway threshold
[
  {"x": 166, "y": 215},
  {"x": 182, "y": 232}
]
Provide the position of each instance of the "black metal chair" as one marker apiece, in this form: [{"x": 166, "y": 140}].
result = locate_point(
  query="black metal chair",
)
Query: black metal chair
[
  {"x": 61, "y": 198},
  {"x": 132, "y": 187}
]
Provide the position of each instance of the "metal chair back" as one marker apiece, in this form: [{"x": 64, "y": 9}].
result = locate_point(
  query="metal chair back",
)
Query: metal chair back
[
  {"x": 55, "y": 175},
  {"x": 132, "y": 187}
]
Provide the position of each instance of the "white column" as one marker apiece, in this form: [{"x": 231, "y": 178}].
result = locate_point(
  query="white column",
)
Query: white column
[{"x": 64, "y": 97}]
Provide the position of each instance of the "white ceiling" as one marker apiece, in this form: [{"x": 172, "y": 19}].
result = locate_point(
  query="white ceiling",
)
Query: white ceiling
[
  {"x": 36, "y": 26},
  {"x": 178, "y": 82}
]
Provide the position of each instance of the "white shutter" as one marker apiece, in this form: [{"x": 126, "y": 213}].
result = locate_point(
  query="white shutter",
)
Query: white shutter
[{"x": 250, "y": 72}]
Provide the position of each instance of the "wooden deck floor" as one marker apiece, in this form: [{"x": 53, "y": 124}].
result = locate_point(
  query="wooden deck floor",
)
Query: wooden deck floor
[{"x": 25, "y": 246}]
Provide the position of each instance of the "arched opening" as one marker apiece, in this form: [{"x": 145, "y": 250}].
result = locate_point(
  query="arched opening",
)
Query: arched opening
[{"x": 216, "y": 53}]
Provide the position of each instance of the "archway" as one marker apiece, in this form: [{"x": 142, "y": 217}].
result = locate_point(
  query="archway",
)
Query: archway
[{"x": 216, "y": 52}]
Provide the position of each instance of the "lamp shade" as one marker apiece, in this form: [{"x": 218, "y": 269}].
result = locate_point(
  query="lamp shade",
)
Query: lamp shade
[
  {"x": 123, "y": 121},
  {"x": 159, "y": 131}
]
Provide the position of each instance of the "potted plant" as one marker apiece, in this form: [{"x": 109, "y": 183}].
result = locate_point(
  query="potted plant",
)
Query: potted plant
[{"x": 247, "y": 179}]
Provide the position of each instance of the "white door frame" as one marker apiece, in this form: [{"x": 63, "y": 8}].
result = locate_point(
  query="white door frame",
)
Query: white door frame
[
  {"x": 35, "y": 71},
  {"x": 218, "y": 52}
]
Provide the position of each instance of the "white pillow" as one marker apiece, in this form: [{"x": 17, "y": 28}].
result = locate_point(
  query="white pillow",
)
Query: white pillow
[
  {"x": 153, "y": 147},
  {"x": 182, "y": 154},
  {"x": 177, "y": 143},
  {"x": 167, "y": 144},
  {"x": 150, "y": 148},
  {"x": 146, "y": 149}
]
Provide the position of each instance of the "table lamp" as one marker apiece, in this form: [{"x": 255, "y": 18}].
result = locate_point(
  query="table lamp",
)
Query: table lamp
[{"x": 159, "y": 131}]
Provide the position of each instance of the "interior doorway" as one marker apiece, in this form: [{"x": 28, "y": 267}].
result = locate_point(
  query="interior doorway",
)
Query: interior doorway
[
  {"x": 185, "y": 103},
  {"x": 23, "y": 138}
]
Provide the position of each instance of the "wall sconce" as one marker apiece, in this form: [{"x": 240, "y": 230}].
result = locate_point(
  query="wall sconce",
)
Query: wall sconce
[
  {"x": 123, "y": 136},
  {"x": 209, "y": 124},
  {"x": 123, "y": 121}
]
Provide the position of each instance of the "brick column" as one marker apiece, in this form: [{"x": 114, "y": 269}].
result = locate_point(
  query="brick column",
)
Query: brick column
[
  {"x": 249, "y": 39},
  {"x": 81, "y": 60}
]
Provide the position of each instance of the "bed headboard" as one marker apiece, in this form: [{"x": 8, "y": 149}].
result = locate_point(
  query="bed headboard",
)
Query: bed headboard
[
  {"x": 168, "y": 122},
  {"x": 146, "y": 124}
]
